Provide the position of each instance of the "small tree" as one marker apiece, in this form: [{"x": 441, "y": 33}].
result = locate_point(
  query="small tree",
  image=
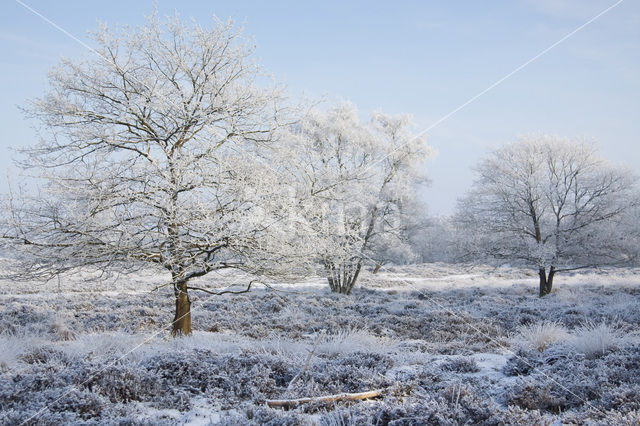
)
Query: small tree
[
  {"x": 546, "y": 201},
  {"x": 357, "y": 176},
  {"x": 150, "y": 155}
]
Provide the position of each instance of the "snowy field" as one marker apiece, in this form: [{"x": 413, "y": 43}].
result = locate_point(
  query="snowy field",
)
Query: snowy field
[{"x": 446, "y": 344}]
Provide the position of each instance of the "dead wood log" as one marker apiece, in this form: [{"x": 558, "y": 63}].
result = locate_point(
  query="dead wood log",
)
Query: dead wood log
[{"x": 292, "y": 403}]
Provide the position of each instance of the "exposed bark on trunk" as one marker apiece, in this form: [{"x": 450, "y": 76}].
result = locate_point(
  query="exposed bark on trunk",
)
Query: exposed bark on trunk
[
  {"x": 182, "y": 319},
  {"x": 546, "y": 282},
  {"x": 376, "y": 269},
  {"x": 542, "y": 273},
  {"x": 552, "y": 272}
]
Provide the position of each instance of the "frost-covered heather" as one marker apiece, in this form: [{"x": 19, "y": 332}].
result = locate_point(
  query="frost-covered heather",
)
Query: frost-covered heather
[{"x": 447, "y": 344}]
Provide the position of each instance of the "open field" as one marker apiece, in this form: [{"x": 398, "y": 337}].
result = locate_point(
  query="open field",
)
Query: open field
[{"x": 448, "y": 344}]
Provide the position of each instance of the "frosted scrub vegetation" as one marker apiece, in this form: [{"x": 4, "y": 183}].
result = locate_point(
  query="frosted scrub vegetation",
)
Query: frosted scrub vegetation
[
  {"x": 396, "y": 332},
  {"x": 171, "y": 169}
]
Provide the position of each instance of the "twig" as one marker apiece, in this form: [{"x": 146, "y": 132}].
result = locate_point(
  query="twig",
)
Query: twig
[
  {"x": 306, "y": 363},
  {"x": 292, "y": 403},
  {"x": 246, "y": 290},
  {"x": 275, "y": 290},
  {"x": 160, "y": 286}
]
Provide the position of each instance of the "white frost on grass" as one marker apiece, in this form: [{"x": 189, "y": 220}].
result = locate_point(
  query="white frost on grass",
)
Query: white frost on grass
[
  {"x": 596, "y": 339},
  {"x": 108, "y": 346},
  {"x": 13, "y": 347},
  {"x": 404, "y": 336},
  {"x": 202, "y": 413},
  {"x": 540, "y": 336},
  {"x": 590, "y": 339},
  {"x": 355, "y": 341},
  {"x": 491, "y": 364}
]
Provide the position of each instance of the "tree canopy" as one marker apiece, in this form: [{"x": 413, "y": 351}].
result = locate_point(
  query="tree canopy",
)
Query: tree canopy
[{"x": 549, "y": 202}]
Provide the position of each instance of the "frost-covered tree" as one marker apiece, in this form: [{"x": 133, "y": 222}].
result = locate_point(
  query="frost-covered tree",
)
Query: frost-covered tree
[
  {"x": 549, "y": 202},
  {"x": 399, "y": 226},
  {"x": 150, "y": 154},
  {"x": 358, "y": 174}
]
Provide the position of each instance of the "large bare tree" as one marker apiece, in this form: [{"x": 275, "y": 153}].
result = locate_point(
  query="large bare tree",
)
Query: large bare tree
[
  {"x": 549, "y": 202},
  {"x": 150, "y": 154}
]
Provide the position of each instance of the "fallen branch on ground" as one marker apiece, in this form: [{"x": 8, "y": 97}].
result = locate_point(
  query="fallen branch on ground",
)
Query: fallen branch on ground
[{"x": 291, "y": 403}]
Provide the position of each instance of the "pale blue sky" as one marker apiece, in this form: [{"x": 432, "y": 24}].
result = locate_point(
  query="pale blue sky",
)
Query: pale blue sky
[{"x": 423, "y": 57}]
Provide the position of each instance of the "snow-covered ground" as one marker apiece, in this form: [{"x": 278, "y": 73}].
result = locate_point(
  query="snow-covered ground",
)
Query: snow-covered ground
[{"x": 448, "y": 344}]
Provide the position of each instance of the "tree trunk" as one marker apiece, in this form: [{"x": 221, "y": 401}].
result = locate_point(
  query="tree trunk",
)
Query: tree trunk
[
  {"x": 542, "y": 273},
  {"x": 354, "y": 278},
  {"x": 342, "y": 278},
  {"x": 552, "y": 272},
  {"x": 546, "y": 282},
  {"x": 376, "y": 269},
  {"x": 182, "y": 320}
]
